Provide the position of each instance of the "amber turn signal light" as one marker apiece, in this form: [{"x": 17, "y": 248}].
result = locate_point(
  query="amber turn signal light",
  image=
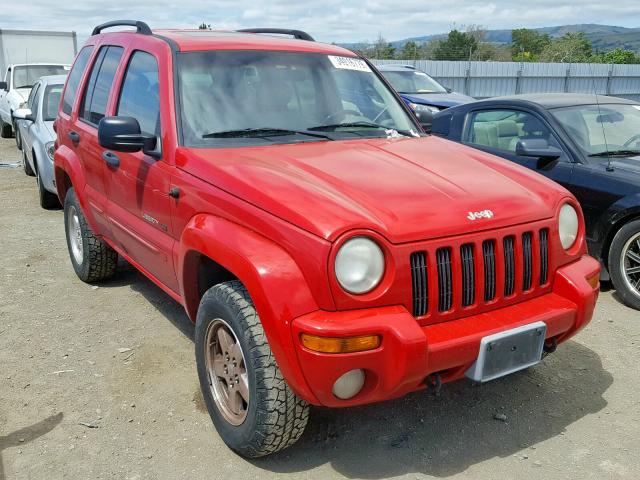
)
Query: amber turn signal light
[
  {"x": 340, "y": 344},
  {"x": 594, "y": 280}
]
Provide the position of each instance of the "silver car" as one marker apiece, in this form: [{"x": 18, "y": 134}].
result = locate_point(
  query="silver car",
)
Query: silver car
[{"x": 35, "y": 126}]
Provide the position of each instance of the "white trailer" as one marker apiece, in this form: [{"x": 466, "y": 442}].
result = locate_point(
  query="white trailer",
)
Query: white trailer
[{"x": 25, "y": 56}]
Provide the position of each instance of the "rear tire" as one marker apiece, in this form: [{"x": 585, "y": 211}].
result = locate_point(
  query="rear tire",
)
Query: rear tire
[
  {"x": 48, "y": 200},
  {"x": 92, "y": 259},
  {"x": 5, "y": 129},
  {"x": 624, "y": 262},
  {"x": 25, "y": 164},
  {"x": 268, "y": 416}
]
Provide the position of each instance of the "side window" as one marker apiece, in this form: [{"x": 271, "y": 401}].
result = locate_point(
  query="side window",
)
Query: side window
[
  {"x": 32, "y": 96},
  {"x": 34, "y": 104},
  {"x": 139, "y": 96},
  {"x": 74, "y": 79},
  {"x": 503, "y": 129},
  {"x": 96, "y": 95}
]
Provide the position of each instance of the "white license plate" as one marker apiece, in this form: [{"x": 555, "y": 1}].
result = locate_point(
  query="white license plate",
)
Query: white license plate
[{"x": 509, "y": 351}]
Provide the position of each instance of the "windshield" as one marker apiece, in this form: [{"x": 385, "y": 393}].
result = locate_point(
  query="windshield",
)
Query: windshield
[
  {"x": 51, "y": 102},
  {"x": 602, "y": 129},
  {"x": 26, "y": 76},
  {"x": 412, "y": 81},
  {"x": 232, "y": 98}
]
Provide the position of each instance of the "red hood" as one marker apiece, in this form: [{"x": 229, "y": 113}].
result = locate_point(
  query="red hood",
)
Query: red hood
[{"x": 406, "y": 189}]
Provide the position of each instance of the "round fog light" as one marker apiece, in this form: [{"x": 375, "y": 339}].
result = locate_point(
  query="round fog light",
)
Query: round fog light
[{"x": 349, "y": 384}]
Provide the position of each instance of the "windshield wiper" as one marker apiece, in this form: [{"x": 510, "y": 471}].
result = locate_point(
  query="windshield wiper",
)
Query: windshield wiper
[
  {"x": 333, "y": 127},
  {"x": 24, "y": 86},
  {"x": 262, "y": 132},
  {"x": 616, "y": 153}
]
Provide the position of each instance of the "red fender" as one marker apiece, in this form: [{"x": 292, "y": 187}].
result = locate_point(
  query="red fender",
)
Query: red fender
[{"x": 266, "y": 270}]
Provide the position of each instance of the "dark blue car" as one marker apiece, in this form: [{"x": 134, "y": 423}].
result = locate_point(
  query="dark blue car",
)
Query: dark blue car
[{"x": 421, "y": 92}]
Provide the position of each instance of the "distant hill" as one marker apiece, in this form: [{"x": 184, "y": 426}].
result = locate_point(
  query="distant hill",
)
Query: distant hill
[{"x": 603, "y": 37}]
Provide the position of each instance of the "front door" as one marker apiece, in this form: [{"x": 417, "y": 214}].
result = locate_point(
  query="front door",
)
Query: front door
[
  {"x": 498, "y": 131},
  {"x": 138, "y": 184}
]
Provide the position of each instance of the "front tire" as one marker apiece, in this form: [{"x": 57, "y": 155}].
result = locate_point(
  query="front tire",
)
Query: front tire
[
  {"x": 48, "y": 200},
  {"x": 5, "y": 129},
  {"x": 253, "y": 409},
  {"x": 92, "y": 259},
  {"x": 18, "y": 137},
  {"x": 25, "y": 164},
  {"x": 624, "y": 263}
]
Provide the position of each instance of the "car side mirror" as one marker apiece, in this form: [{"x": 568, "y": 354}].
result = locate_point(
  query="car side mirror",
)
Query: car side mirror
[
  {"x": 123, "y": 134},
  {"x": 24, "y": 114},
  {"x": 537, "y": 148},
  {"x": 4, "y": 86},
  {"x": 425, "y": 117}
]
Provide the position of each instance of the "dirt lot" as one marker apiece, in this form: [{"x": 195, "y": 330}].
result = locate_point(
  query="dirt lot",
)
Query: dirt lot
[{"x": 100, "y": 382}]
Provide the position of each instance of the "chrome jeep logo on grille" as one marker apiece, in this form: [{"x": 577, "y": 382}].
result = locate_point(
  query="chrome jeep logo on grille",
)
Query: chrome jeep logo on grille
[{"x": 481, "y": 214}]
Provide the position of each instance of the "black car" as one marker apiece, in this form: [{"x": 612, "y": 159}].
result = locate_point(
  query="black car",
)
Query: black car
[
  {"x": 421, "y": 92},
  {"x": 589, "y": 144}
]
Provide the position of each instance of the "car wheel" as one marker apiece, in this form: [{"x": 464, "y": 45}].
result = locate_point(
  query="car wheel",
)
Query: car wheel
[
  {"x": 5, "y": 129},
  {"x": 92, "y": 259},
  {"x": 252, "y": 407},
  {"x": 18, "y": 137},
  {"x": 25, "y": 164},
  {"x": 48, "y": 200},
  {"x": 624, "y": 263}
]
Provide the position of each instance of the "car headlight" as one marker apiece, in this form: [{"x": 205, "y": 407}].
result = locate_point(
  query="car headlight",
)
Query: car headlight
[
  {"x": 50, "y": 148},
  {"x": 416, "y": 107},
  {"x": 568, "y": 226},
  {"x": 359, "y": 265}
]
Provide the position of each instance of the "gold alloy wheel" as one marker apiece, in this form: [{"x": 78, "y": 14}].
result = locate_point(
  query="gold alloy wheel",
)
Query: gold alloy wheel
[{"x": 227, "y": 372}]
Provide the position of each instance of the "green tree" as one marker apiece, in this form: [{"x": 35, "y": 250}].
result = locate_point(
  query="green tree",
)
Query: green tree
[
  {"x": 383, "y": 50},
  {"x": 410, "y": 51},
  {"x": 620, "y": 55},
  {"x": 204, "y": 26},
  {"x": 457, "y": 46},
  {"x": 527, "y": 44},
  {"x": 572, "y": 47}
]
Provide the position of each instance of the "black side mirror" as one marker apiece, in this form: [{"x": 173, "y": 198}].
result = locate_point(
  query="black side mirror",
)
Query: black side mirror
[
  {"x": 425, "y": 117},
  {"x": 538, "y": 148},
  {"x": 4, "y": 86},
  {"x": 122, "y": 134}
]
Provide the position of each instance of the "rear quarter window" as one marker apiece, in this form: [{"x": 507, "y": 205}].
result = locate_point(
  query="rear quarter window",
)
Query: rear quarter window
[{"x": 74, "y": 79}]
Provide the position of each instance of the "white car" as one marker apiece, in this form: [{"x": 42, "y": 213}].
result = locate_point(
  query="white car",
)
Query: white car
[
  {"x": 15, "y": 89},
  {"x": 35, "y": 127}
]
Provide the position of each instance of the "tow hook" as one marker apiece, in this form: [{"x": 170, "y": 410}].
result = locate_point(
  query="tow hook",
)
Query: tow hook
[
  {"x": 550, "y": 345},
  {"x": 434, "y": 384}
]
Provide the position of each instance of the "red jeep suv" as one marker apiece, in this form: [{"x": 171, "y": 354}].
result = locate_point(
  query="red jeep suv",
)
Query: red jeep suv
[{"x": 329, "y": 252}]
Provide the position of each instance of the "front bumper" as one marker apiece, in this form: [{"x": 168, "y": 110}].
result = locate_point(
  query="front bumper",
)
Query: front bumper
[{"x": 409, "y": 352}]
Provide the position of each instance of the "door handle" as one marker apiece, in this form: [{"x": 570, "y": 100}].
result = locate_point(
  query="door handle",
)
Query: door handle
[
  {"x": 111, "y": 159},
  {"x": 75, "y": 138}
]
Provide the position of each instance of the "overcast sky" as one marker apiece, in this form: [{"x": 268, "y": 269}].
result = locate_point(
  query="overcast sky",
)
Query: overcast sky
[{"x": 327, "y": 20}]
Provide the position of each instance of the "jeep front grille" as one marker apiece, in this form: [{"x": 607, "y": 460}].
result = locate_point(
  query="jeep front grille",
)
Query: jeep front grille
[{"x": 504, "y": 268}]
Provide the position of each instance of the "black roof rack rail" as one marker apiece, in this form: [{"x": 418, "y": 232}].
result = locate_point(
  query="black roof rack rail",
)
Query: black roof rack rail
[
  {"x": 299, "y": 34},
  {"x": 141, "y": 27}
]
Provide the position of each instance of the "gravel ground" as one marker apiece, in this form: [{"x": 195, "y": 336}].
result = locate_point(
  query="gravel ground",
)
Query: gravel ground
[{"x": 100, "y": 382}]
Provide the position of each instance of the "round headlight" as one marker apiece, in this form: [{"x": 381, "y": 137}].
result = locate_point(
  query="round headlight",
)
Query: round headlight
[
  {"x": 359, "y": 265},
  {"x": 568, "y": 226},
  {"x": 50, "y": 148}
]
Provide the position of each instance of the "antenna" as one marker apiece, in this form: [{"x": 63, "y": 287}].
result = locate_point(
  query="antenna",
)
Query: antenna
[{"x": 604, "y": 135}]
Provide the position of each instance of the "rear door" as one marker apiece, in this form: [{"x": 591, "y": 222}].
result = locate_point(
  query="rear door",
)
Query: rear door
[
  {"x": 138, "y": 187},
  {"x": 498, "y": 130},
  {"x": 83, "y": 134}
]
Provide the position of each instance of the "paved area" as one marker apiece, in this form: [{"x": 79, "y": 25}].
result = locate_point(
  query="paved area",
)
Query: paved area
[{"x": 100, "y": 382}]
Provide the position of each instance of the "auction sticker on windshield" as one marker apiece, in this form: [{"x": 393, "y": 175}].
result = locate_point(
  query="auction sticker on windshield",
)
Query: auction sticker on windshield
[{"x": 349, "y": 63}]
